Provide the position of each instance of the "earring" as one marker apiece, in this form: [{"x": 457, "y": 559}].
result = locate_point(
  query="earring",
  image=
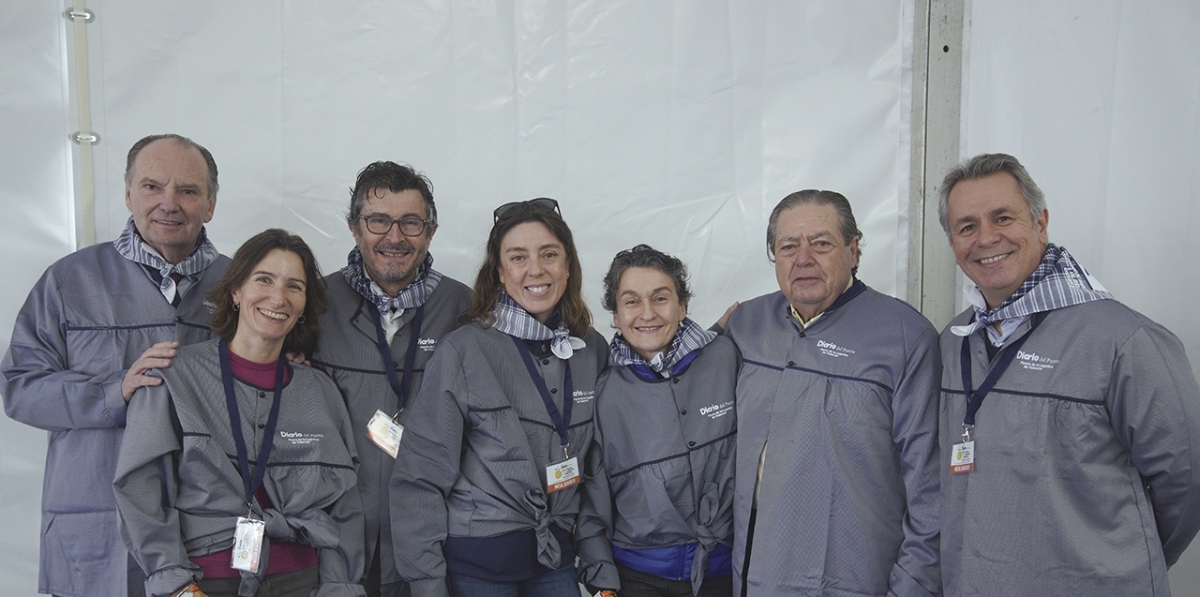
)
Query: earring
[
  {"x": 301, "y": 320},
  {"x": 236, "y": 306}
]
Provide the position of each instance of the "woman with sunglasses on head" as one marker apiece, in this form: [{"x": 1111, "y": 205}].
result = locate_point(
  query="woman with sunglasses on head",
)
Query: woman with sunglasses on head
[
  {"x": 237, "y": 474},
  {"x": 659, "y": 522},
  {"x": 485, "y": 490}
]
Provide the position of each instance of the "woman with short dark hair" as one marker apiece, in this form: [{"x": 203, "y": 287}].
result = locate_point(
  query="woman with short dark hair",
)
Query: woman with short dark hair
[
  {"x": 237, "y": 474},
  {"x": 659, "y": 521},
  {"x": 485, "y": 488}
]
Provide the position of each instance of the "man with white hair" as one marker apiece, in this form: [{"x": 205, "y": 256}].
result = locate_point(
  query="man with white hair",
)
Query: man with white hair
[
  {"x": 92, "y": 326},
  {"x": 1070, "y": 423}
]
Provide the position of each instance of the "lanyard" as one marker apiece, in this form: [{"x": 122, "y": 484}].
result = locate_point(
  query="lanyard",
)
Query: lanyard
[
  {"x": 400, "y": 387},
  {"x": 975, "y": 399},
  {"x": 560, "y": 421},
  {"x": 235, "y": 421}
]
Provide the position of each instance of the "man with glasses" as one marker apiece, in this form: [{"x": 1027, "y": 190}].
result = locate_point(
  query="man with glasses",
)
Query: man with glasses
[
  {"x": 388, "y": 308},
  {"x": 82, "y": 344}
]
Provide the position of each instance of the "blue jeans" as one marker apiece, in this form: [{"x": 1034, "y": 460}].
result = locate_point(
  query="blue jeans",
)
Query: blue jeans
[{"x": 557, "y": 583}]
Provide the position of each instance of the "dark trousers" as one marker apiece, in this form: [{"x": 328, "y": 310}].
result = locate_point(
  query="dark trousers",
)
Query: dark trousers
[
  {"x": 372, "y": 580},
  {"x": 285, "y": 584},
  {"x": 640, "y": 584}
]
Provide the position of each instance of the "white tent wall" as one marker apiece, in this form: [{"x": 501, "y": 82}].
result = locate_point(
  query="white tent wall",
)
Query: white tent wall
[
  {"x": 1100, "y": 100},
  {"x": 677, "y": 123}
]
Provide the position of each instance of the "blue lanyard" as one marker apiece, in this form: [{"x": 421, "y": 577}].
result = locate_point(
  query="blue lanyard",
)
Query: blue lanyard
[
  {"x": 400, "y": 387},
  {"x": 235, "y": 421},
  {"x": 975, "y": 399},
  {"x": 561, "y": 422}
]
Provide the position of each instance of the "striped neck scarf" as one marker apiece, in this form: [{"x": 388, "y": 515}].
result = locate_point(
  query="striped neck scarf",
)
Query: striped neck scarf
[
  {"x": 133, "y": 247},
  {"x": 410, "y": 297},
  {"x": 689, "y": 338},
  {"x": 510, "y": 318},
  {"x": 1057, "y": 282}
]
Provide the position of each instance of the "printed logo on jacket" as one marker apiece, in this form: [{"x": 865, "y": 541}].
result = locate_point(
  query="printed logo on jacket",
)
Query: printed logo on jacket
[
  {"x": 833, "y": 350},
  {"x": 298, "y": 438},
  {"x": 1033, "y": 361}
]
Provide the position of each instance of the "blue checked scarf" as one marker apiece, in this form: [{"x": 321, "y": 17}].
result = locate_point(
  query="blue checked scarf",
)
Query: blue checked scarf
[
  {"x": 689, "y": 338},
  {"x": 1057, "y": 282},
  {"x": 510, "y": 318},
  {"x": 132, "y": 247},
  {"x": 410, "y": 297}
]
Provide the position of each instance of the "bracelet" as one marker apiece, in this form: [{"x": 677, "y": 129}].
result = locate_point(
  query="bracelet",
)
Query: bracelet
[{"x": 187, "y": 589}]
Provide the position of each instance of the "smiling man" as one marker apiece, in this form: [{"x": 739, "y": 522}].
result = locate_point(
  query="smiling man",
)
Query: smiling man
[
  {"x": 1078, "y": 473},
  {"x": 92, "y": 326},
  {"x": 837, "y": 485},
  {"x": 388, "y": 308}
]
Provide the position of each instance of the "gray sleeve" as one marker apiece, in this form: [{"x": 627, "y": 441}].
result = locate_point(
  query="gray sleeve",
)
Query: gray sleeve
[
  {"x": 917, "y": 572},
  {"x": 38, "y": 387},
  {"x": 145, "y": 488},
  {"x": 341, "y": 567},
  {"x": 426, "y": 468},
  {"x": 593, "y": 532},
  {"x": 1155, "y": 406}
]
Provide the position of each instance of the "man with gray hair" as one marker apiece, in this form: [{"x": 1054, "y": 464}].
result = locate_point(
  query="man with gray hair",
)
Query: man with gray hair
[
  {"x": 836, "y": 489},
  {"x": 92, "y": 326},
  {"x": 388, "y": 308},
  {"x": 1070, "y": 424}
]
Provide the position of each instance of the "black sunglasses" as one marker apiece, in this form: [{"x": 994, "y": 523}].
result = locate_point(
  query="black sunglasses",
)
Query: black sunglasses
[{"x": 539, "y": 204}]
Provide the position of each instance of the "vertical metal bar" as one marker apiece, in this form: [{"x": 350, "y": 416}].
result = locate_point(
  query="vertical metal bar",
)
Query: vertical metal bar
[
  {"x": 86, "y": 197},
  {"x": 937, "y": 100}
]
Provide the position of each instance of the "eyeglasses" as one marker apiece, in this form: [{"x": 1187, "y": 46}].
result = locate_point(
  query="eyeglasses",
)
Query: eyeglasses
[
  {"x": 539, "y": 204},
  {"x": 409, "y": 225}
]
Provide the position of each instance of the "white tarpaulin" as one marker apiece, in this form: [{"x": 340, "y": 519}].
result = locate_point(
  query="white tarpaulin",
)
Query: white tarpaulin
[{"x": 674, "y": 123}]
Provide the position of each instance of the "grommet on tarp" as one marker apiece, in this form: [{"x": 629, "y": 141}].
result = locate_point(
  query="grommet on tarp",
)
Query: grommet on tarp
[
  {"x": 87, "y": 15},
  {"x": 80, "y": 138}
]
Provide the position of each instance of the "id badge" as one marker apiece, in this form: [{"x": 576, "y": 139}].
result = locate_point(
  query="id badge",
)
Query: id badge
[
  {"x": 385, "y": 432},
  {"x": 247, "y": 544},
  {"x": 561, "y": 475},
  {"x": 962, "y": 458}
]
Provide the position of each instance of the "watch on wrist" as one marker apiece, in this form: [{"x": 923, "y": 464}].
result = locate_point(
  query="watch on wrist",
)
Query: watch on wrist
[{"x": 186, "y": 590}]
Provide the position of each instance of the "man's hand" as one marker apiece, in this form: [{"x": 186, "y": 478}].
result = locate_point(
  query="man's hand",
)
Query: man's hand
[
  {"x": 156, "y": 357},
  {"x": 298, "y": 358},
  {"x": 723, "y": 322}
]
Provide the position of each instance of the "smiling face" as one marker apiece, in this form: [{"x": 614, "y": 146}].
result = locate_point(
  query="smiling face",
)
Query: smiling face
[
  {"x": 391, "y": 260},
  {"x": 168, "y": 196},
  {"x": 269, "y": 301},
  {"x": 813, "y": 263},
  {"x": 533, "y": 268},
  {"x": 995, "y": 240},
  {"x": 648, "y": 310}
]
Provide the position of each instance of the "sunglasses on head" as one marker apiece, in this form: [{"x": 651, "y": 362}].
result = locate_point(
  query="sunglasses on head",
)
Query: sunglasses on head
[{"x": 539, "y": 204}]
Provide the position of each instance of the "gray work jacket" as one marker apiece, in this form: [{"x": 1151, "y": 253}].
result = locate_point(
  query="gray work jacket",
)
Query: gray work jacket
[
  {"x": 847, "y": 412},
  {"x": 89, "y": 317},
  {"x": 660, "y": 470},
  {"x": 473, "y": 459},
  {"x": 348, "y": 351},
  {"x": 1087, "y": 459},
  {"x": 179, "y": 489}
]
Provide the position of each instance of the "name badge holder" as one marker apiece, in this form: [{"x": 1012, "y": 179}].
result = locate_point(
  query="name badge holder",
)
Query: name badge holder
[
  {"x": 962, "y": 455},
  {"x": 249, "y": 531},
  {"x": 564, "y": 473},
  {"x": 383, "y": 430}
]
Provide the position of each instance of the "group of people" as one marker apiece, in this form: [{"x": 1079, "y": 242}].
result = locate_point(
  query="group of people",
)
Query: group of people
[{"x": 247, "y": 426}]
